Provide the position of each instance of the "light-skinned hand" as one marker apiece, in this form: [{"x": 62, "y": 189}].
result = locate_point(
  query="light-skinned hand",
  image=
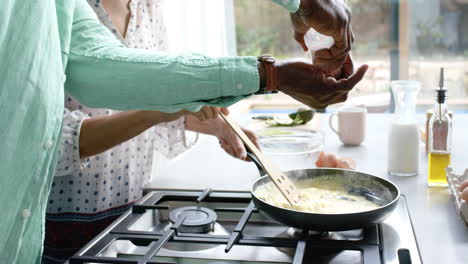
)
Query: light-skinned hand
[{"x": 209, "y": 112}]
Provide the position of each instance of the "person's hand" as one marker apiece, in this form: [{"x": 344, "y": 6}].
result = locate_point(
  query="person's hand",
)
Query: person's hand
[
  {"x": 206, "y": 113},
  {"x": 328, "y": 17},
  {"x": 346, "y": 70},
  {"x": 232, "y": 144},
  {"x": 228, "y": 139},
  {"x": 310, "y": 85},
  {"x": 209, "y": 112},
  {"x": 464, "y": 191}
]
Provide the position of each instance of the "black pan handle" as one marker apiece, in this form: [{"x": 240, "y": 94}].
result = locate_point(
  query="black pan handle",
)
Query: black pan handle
[{"x": 256, "y": 162}]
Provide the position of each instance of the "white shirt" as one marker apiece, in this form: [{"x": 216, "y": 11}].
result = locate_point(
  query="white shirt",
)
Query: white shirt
[{"x": 116, "y": 177}]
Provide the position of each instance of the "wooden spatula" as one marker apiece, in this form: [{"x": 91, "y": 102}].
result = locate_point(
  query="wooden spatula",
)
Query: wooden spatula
[{"x": 282, "y": 182}]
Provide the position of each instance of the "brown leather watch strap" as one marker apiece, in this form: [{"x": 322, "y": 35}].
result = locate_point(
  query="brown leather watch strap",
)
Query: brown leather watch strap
[{"x": 268, "y": 63}]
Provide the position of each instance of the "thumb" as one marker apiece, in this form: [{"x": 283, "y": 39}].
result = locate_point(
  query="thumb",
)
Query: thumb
[
  {"x": 299, "y": 37},
  {"x": 238, "y": 147},
  {"x": 356, "y": 77},
  {"x": 224, "y": 110}
]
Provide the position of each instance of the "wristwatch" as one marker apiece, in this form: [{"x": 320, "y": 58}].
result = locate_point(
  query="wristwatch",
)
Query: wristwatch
[{"x": 271, "y": 84}]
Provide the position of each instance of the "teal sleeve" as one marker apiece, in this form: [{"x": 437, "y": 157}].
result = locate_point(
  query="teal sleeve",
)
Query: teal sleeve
[
  {"x": 101, "y": 72},
  {"x": 291, "y": 5}
]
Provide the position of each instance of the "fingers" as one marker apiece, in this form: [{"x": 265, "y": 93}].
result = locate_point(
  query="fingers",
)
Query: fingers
[
  {"x": 234, "y": 148},
  {"x": 228, "y": 149},
  {"x": 239, "y": 149},
  {"x": 252, "y": 136},
  {"x": 341, "y": 46},
  {"x": 350, "y": 37},
  {"x": 333, "y": 59},
  {"x": 348, "y": 84},
  {"x": 199, "y": 115},
  {"x": 335, "y": 98},
  {"x": 225, "y": 110},
  {"x": 346, "y": 70},
  {"x": 348, "y": 67},
  {"x": 299, "y": 37},
  {"x": 352, "y": 33},
  {"x": 329, "y": 65},
  {"x": 345, "y": 38},
  {"x": 300, "y": 29},
  {"x": 339, "y": 98},
  {"x": 208, "y": 113}
]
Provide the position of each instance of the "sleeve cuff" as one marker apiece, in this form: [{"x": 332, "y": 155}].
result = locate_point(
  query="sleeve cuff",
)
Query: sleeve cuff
[
  {"x": 291, "y": 5},
  {"x": 69, "y": 161},
  {"x": 239, "y": 76}
]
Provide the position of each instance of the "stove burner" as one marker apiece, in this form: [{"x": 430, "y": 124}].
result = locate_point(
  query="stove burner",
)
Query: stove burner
[
  {"x": 145, "y": 235},
  {"x": 315, "y": 235},
  {"x": 298, "y": 233},
  {"x": 197, "y": 219}
]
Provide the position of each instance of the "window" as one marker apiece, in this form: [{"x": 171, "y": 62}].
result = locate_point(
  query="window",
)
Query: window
[{"x": 398, "y": 39}]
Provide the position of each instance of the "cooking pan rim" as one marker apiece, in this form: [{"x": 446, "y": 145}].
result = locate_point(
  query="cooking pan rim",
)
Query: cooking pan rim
[{"x": 396, "y": 199}]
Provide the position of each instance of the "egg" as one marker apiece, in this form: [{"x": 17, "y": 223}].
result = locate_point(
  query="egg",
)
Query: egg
[
  {"x": 464, "y": 195},
  {"x": 321, "y": 195},
  {"x": 329, "y": 160}
]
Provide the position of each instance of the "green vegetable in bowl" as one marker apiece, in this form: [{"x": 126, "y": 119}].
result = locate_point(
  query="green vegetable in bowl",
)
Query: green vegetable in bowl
[{"x": 299, "y": 118}]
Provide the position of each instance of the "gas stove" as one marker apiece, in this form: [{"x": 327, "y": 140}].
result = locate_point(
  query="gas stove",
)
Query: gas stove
[{"x": 215, "y": 227}]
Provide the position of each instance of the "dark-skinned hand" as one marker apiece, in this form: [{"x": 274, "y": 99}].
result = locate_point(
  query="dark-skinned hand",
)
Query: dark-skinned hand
[
  {"x": 309, "y": 84},
  {"x": 328, "y": 17}
]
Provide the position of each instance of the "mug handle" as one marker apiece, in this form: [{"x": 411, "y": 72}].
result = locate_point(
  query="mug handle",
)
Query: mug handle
[{"x": 331, "y": 123}]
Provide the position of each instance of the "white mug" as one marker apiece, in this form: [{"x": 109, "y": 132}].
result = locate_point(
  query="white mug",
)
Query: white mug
[{"x": 351, "y": 124}]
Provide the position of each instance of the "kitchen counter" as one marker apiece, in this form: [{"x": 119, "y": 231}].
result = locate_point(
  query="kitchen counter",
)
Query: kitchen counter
[{"x": 441, "y": 234}]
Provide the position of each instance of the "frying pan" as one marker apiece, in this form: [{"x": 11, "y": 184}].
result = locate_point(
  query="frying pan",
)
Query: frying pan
[{"x": 375, "y": 189}]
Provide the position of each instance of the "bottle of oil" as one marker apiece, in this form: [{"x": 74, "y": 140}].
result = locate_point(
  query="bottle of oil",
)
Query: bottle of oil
[{"x": 440, "y": 138}]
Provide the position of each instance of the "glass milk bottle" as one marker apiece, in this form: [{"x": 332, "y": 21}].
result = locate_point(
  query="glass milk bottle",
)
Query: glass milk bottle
[{"x": 403, "y": 143}]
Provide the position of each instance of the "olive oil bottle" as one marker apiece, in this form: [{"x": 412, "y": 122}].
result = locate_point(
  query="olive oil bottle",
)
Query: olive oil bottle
[
  {"x": 437, "y": 164},
  {"x": 439, "y": 138}
]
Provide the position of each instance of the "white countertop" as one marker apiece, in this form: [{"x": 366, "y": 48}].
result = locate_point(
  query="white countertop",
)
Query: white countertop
[{"x": 441, "y": 235}]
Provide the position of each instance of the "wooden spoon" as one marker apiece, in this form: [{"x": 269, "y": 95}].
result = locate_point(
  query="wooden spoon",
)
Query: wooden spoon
[{"x": 282, "y": 182}]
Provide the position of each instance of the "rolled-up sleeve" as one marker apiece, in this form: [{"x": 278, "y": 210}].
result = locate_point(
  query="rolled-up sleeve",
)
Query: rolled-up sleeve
[
  {"x": 101, "y": 72},
  {"x": 291, "y": 5},
  {"x": 68, "y": 161}
]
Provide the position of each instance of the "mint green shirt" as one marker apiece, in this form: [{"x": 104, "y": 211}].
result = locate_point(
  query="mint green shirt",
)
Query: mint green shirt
[{"x": 47, "y": 46}]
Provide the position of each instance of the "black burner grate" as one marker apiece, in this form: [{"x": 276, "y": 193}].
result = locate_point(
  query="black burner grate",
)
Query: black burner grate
[{"x": 154, "y": 240}]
